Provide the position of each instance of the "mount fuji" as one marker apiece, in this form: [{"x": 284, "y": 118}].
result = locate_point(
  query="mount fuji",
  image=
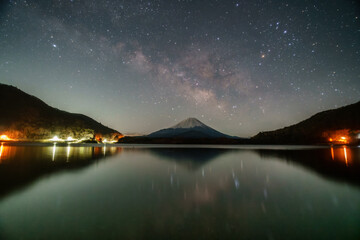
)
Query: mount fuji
[{"x": 189, "y": 128}]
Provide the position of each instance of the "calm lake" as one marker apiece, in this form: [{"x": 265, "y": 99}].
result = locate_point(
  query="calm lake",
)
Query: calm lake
[{"x": 177, "y": 192}]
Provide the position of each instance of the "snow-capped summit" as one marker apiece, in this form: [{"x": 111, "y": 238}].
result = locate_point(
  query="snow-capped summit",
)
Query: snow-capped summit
[
  {"x": 189, "y": 128},
  {"x": 189, "y": 123}
]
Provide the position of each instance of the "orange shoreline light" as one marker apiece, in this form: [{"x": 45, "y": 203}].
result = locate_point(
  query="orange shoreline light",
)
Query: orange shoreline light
[
  {"x": 339, "y": 140},
  {"x": 4, "y": 138},
  {"x": 342, "y": 136}
]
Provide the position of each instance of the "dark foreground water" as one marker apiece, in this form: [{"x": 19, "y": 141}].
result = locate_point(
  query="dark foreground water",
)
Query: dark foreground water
[{"x": 152, "y": 192}]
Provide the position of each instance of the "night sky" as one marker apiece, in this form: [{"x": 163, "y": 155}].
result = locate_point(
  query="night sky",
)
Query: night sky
[{"x": 137, "y": 66}]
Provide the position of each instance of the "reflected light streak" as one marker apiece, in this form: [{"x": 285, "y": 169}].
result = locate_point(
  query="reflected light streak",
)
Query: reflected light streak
[
  {"x": 54, "y": 151},
  {"x": 68, "y": 152},
  {"x": 1, "y": 150},
  {"x": 332, "y": 153},
  {"x": 104, "y": 150},
  {"x": 345, "y": 155}
]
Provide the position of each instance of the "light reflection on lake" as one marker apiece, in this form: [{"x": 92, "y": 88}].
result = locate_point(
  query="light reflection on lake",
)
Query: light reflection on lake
[{"x": 108, "y": 192}]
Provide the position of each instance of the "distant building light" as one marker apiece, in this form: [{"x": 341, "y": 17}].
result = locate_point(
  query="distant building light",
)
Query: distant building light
[
  {"x": 55, "y": 138},
  {"x": 4, "y": 137},
  {"x": 70, "y": 139},
  {"x": 105, "y": 141},
  {"x": 343, "y": 138}
]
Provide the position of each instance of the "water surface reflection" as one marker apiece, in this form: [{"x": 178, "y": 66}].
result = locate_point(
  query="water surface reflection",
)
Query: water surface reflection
[
  {"x": 189, "y": 158},
  {"x": 339, "y": 163},
  {"x": 182, "y": 193},
  {"x": 22, "y": 165}
]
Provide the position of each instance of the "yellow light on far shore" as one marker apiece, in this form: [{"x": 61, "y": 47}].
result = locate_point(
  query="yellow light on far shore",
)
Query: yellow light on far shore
[
  {"x": 4, "y": 137},
  {"x": 70, "y": 139},
  {"x": 55, "y": 138}
]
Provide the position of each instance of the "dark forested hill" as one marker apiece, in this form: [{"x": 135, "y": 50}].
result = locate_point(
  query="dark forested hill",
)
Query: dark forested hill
[
  {"x": 26, "y": 117},
  {"x": 332, "y": 125}
]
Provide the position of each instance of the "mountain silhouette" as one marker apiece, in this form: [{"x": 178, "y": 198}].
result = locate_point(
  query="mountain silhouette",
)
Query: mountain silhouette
[{"x": 188, "y": 128}]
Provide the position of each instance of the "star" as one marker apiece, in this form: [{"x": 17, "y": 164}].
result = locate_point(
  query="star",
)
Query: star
[{"x": 164, "y": 54}]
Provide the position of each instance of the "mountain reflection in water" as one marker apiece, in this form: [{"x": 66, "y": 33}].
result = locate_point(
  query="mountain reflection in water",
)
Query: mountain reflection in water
[
  {"x": 21, "y": 165},
  {"x": 190, "y": 158},
  {"x": 339, "y": 163},
  {"x": 24, "y": 164},
  {"x": 174, "y": 192}
]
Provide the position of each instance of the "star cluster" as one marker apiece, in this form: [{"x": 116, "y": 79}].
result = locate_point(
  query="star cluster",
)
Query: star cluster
[{"x": 239, "y": 66}]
